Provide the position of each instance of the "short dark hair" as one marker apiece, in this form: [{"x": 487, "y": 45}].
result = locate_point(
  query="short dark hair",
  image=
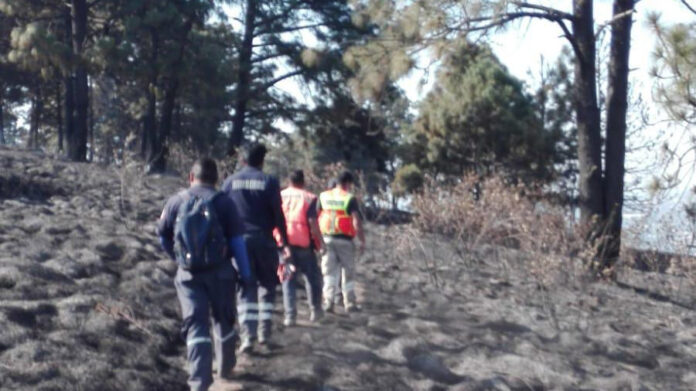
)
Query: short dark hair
[
  {"x": 205, "y": 170},
  {"x": 255, "y": 154},
  {"x": 297, "y": 178},
  {"x": 345, "y": 178}
]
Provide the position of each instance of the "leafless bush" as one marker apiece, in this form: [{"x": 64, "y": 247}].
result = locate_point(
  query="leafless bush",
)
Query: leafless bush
[
  {"x": 491, "y": 212},
  {"x": 129, "y": 169},
  {"x": 509, "y": 227},
  {"x": 183, "y": 154}
]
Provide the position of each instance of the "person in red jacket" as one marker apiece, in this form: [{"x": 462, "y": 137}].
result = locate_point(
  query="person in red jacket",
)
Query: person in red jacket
[{"x": 304, "y": 238}]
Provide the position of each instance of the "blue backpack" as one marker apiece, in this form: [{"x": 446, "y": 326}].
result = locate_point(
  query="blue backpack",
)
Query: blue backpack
[{"x": 199, "y": 242}]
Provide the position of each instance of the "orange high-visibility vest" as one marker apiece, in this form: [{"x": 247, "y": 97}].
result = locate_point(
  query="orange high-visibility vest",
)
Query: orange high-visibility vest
[
  {"x": 296, "y": 203},
  {"x": 334, "y": 218}
]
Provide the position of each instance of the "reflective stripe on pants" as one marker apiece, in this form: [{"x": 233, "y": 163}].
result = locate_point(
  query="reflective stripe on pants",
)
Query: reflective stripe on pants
[
  {"x": 256, "y": 301},
  {"x": 198, "y": 295}
]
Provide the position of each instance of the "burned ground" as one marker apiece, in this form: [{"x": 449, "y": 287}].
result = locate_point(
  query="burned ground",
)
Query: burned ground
[{"x": 87, "y": 303}]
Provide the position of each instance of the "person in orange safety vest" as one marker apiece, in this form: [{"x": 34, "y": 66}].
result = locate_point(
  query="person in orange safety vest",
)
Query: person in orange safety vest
[
  {"x": 304, "y": 238},
  {"x": 340, "y": 222}
]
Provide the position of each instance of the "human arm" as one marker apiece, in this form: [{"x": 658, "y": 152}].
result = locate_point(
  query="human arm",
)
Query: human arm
[
  {"x": 316, "y": 234},
  {"x": 234, "y": 233},
  {"x": 279, "y": 216},
  {"x": 354, "y": 211},
  {"x": 165, "y": 226},
  {"x": 167, "y": 244},
  {"x": 312, "y": 221},
  {"x": 241, "y": 257}
]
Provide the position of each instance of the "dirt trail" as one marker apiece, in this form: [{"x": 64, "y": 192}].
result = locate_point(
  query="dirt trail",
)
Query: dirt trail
[{"x": 87, "y": 303}]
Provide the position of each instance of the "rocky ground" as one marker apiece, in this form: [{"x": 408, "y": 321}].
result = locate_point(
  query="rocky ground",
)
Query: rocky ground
[{"x": 87, "y": 303}]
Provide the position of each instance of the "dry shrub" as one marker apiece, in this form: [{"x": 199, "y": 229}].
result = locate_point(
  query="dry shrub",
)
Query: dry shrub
[
  {"x": 477, "y": 212},
  {"x": 509, "y": 227},
  {"x": 183, "y": 154},
  {"x": 491, "y": 212},
  {"x": 129, "y": 169}
]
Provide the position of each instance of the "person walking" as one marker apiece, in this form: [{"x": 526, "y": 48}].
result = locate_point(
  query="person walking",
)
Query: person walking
[
  {"x": 340, "y": 221},
  {"x": 257, "y": 197},
  {"x": 304, "y": 238},
  {"x": 200, "y": 229}
]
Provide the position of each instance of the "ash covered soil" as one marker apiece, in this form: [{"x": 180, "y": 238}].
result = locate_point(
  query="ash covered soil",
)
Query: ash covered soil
[{"x": 87, "y": 303}]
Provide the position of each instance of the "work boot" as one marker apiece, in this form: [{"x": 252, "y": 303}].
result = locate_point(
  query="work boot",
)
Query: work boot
[
  {"x": 247, "y": 346},
  {"x": 328, "y": 306},
  {"x": 316, "y": 315},
  {"x": 290, "y": 322}
]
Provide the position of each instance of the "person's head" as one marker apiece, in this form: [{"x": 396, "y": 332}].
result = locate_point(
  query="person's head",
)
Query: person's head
[
  {"x": 346, "y": 180},
  {"x": 297, "y": 179},
  {"x": 333, "y": 182},
  {"x": 204, "y": 171},
  {"x": 255, "y": 155}
]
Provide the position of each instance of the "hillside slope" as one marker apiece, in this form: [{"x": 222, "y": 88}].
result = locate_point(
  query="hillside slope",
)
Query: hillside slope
[{"x": 87, "y": 303}]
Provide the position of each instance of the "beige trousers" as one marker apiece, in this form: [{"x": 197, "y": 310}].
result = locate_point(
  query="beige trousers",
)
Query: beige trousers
[{"x": 339, "y": 262}]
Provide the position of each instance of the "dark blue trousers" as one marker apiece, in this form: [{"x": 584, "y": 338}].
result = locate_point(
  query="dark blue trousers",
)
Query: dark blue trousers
[{"x": 199, "y": 295}]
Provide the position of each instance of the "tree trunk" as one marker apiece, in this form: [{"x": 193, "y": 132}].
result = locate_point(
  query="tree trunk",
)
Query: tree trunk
[
  {"x": 35, "y": 119},
  {"x": 615, "y": 149},
  {"x": 77, "y": 145},
  {"x": 69, "y": 92},
  {"x": 150, "y": 140},
  {"x": 587, "y": 112},
  {"x": 90, "y": 119},
  {"x": 59, "y": 119},
  {"x": 2, "y": 119},
  {"x": 176, "y": 125},
  {"x": 159, "y": 161},
  {"x": 243, "y": 78}
]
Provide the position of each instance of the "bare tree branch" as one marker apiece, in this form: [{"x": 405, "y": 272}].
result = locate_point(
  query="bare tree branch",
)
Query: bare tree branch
[
  {"x": 689, "y": 6},
  {"x": 613, "y": 20},
  {"x": 278, "y": 79},
  {"x": 289, "y": 29},
  {"x": 549, "y": 10}
]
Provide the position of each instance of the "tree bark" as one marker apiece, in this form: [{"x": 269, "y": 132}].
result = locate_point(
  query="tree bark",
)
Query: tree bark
[
  {"x": 159, "y": 161},
  {"x": 35, "y": 119},
  {"x": 615, "y": 147},
  {"x": 2, "y": 119},
  {"x": 150, "y": 140},
  {"x": 90, "y": 119},
  {"x": 59, "y": 119},
  {"x": 587, "y": 113},
  {"x": 243, "y": 78},
  {"x": 69, "y": 92},
  {"x": 77, "y": 145}
]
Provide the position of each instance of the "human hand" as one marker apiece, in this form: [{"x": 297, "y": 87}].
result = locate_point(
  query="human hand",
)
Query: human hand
[{"x": 286, "y": 254}]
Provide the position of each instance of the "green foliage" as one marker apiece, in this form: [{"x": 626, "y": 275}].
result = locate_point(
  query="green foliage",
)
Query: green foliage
[
  {"x": 408, "y": 179},
  {"x": 675, "y": 69},
  {"x": 554, "y": 104},
  {"x": 478, "y": 118}
]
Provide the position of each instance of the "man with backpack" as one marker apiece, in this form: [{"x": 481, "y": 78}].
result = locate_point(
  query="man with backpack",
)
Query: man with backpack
[
  {"x": 200, "y": 229},
  {"x": 340, "y": 221},
  {"x": 257, "y": 197},
  {"x": 304, "y": 237}
]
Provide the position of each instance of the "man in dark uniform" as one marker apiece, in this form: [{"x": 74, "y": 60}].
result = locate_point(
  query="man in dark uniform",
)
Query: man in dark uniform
[
  {"x": 257, "y": 197},
  {"x": 214, "y": 288}
]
